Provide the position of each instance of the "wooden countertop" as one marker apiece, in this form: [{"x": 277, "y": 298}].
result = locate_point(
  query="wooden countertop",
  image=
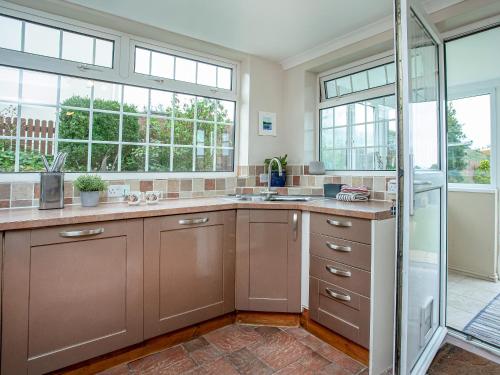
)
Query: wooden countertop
[{"x": 28, "y": 218}]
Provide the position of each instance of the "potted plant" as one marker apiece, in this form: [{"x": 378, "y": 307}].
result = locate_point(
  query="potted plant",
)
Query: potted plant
[
  {"x": 276, "y": 179},
  {"x": 90, "y": 186}
]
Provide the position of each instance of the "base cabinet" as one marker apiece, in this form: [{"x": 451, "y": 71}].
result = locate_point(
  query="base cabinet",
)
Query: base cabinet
[
  {"x": 188, "y": 269},
  {"x": 268, "y": 251},
  {"x": 70, "y": 293}
]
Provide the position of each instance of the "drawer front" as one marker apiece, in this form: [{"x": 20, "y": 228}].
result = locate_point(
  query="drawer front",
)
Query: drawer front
[
  {"x": 78, "y": 232},
  {"x": 347, "y": 277},
  {"x": 186, "y": 221},
  {"x": 347, "y": 228},
  {"x": 351, "y": 253},
  {"x": 350, "y": 319}
]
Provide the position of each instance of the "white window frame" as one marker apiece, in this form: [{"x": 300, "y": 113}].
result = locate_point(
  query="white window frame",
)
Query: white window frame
[
  {"x": 123, "y": 73},
  {"x": 323, "y": 102},
  {"x": 468, "y": 91}
]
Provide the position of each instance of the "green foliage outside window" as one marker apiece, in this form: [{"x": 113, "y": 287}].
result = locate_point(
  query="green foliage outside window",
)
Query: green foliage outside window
[{"x": 74, "y": 124}]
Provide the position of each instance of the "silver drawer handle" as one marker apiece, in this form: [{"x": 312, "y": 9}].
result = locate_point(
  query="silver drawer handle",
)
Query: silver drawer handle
[
  {"x": 337, "y": 295},
  {"x": 345, "y": 249},
  {"x": 338, "y": 272},
  {"x": 200, "y": 220},
  {"x": 337, "y": 223},
  {"x": 81, "y": 233}
]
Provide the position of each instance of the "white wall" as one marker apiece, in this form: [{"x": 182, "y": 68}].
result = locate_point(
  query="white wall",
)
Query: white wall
[
  {"x": 471, "y": 233},
  {"x": 473, "y": 68}
]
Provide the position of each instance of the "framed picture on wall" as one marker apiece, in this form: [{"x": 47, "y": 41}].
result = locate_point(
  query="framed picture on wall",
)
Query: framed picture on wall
[{"x": 267, "y": 123}]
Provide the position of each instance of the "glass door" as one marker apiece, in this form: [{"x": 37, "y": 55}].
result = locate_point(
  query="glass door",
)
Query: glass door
[{"x": 422, "y": 190}]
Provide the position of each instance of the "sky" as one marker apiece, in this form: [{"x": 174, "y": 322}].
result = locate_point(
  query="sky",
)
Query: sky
[{"x": 475, "y": 115}]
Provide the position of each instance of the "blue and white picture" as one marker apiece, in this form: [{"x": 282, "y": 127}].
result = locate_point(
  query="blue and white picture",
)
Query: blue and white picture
[{"x": 267, "y": 123}]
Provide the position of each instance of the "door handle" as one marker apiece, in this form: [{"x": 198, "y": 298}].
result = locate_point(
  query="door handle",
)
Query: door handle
[
  {"x": 337, "y": 223},
  {"x": 295, "y": 225},
  {"x": 337, "y": 272},
  {"x": 198, "y": 220},
  {"x": 344, "y": 249},
  {"x": 337, "y": 295},
  {"x": 81, "y": 233}
]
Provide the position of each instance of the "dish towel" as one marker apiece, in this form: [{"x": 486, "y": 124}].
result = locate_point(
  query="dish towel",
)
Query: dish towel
[{"x": 353, "y": 194}]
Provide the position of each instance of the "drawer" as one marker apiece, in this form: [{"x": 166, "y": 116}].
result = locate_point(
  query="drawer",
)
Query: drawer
[
  {"x": 350, "y": 278},
  {"x": 78, "y": 232},
  {"x": 185, "y": 221},
  {"x": 347, "y": 228},
  {"x": 350, "y": 319},
  {"x": 351, "y": 253}
]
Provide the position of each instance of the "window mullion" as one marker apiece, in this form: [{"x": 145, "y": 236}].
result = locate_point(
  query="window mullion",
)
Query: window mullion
[
  {"x": 148, "y": 125},
  {"x": 120, "y": 127},
  {"x": 172, "y": 122}
]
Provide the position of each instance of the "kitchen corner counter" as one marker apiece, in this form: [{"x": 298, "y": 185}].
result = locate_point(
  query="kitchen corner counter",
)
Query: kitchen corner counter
[{"x": 30, "y": 218}]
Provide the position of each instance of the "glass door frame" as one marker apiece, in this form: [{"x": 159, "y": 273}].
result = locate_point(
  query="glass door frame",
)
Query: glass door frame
[{"x": 403, "y": 10}]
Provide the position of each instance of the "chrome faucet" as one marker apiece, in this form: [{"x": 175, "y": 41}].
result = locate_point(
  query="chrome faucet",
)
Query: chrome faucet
[{"x": 269, "y": 193}]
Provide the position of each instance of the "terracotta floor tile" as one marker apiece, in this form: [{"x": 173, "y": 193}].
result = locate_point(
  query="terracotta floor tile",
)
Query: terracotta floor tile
[
  {"x": 334, "y": 369},
  {"x": 205, "y": 355},
  {"x": 312, "y": 341},
  {"x": 279, "y": 350},
  {"x": 341, "y": 359},
  {"x": 267, "y": 330},
  {"x": 231, "y": 338},
  {"x": 298, "y": 332},
  {"x": 247, "y": 363},
  {"x": 171, "y": 361},
  {"x": 314, "y": 361},
  {"x": 295, "y": 369},
  {"x": 195, "y": 344},
  {"x": 218, "y": 367}
]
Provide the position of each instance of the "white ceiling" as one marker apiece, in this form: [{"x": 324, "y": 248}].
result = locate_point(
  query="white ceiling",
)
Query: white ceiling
[{"x": 274, "y": 29}]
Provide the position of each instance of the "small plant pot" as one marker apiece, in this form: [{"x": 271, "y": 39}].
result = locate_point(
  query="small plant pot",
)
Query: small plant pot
[
  {"x": 277, "y": 180},
  {"x": 89, "y": 198}
]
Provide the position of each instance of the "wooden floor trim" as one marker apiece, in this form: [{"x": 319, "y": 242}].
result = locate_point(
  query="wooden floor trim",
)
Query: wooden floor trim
[
  {"x": 268, "y": 318},
  {"x": 167, "y": 340},
  {"x": 151, "y": 346},
  {"x": 339, "y": 342}
]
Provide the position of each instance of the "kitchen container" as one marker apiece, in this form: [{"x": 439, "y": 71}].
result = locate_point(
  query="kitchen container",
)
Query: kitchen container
[{"x": 51, "y": 190}]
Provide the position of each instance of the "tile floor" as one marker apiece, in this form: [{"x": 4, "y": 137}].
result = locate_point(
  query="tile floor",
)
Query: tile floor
[
  {"x": 244, "y": 349},
  {"x": 467, "y": 296}
]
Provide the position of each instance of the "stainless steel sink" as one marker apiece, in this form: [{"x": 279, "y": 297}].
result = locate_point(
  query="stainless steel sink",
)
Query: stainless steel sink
[{"x": 273, "y": 198}]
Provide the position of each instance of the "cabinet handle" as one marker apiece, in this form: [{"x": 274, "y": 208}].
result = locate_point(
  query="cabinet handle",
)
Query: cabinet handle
[
  {"x": 338, "y": 272},
  {"x": 337, "y": 295},
  {"x": 332, "y": 246},
  {"x": 295, "y": 223},
  {"x": 199, "y": 220},
  {"x": 337, "y": 223},
  {"x": 81, "y": 233}
]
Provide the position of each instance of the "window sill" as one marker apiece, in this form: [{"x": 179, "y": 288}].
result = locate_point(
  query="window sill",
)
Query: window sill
[{"x": 472, "y": 188}]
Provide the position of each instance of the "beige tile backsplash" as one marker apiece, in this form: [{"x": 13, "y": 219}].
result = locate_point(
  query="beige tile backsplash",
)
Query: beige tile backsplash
[{"x": 299, "y": 182}]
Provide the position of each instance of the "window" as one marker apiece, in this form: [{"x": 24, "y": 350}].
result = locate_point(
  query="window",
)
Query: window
[
  {"x": 164, "y": 65},
  {"x": 171, "y": 113},
  {"x": 34, "y": 38},
  {"x": 367, "y": 79},
  {"x": 357, "y": 117},
  {"x": 469, "y": 140},
  {"x": 110, "y": 127},
  {"x": 360, "y": 135}
]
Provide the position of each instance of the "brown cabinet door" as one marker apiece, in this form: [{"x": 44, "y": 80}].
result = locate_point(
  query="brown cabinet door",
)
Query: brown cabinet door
[
  {"x": 67, "y": 299},
  {"x": 268, "y": 254},
  {"x": 189, "y": 269}
]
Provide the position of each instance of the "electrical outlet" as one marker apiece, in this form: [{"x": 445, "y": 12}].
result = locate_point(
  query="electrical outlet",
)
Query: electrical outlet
[
  {"x": 263, "y": 177},
  {"x": 118, "y": 190},
  {"x": 392, "y": 186}
]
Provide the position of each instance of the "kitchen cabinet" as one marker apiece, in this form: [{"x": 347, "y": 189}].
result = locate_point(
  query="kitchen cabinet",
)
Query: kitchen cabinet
[
  {"x": 352, "y": 281},
  {"x": 188, "y": 269},
  {"x": 268, "y": 255},
  {"x": 70, "y": 293}
]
